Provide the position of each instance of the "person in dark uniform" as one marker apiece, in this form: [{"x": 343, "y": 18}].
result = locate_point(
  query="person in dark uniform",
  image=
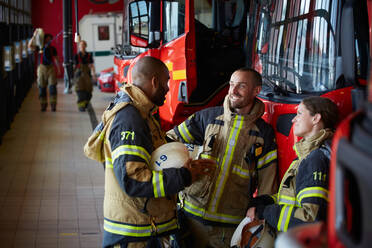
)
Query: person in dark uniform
[
  {"x": 303, "y": 192},
  {"x": 84, "y": 74},
  {"x": 46, "y": 73}
]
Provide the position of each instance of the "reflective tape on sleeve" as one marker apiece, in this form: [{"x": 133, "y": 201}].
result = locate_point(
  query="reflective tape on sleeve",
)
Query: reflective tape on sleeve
[
  {"x": 269, "y": 157},
  {"x": 241, "y": 172},
  {"x": 108, "y": 163},
  {"x": 158, "y": 183},
  {"x": 285, "y": 216},
  {"x": 131, "y": 150},
  {"x": 185, "y": 133},
  {"x": 312, "y": 192}
]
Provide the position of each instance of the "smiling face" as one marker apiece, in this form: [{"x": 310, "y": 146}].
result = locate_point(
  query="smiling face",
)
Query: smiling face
[
  {"x": 242, "y": 91},
  {"x": 304, "y": 122}
]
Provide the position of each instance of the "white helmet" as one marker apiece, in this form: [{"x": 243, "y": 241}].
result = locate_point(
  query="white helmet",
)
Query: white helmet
[
  {"x": 253, "y": 234},
  {"x": 169, "y": 155},
  {"x": 39, "y": 40}
]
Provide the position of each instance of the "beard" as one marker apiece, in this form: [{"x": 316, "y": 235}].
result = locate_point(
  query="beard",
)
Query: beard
[
  {"x": 159, "y": 96},
  {"x": 238, "y": 103}
]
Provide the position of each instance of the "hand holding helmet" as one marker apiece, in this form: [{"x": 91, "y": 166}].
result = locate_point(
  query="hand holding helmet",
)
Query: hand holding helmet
[
  {"x": 176, "y": 155},
  {"x": 200, "y": 167}
]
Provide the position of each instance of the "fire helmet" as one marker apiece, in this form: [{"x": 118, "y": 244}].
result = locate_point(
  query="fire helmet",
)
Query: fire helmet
[
  {"x": 253, "y": 234},
  {"x": 169, "y": 155}
]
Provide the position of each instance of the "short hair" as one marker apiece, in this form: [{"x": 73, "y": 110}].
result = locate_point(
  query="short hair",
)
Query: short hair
[
  {"x": 85, "y": 43},
  {"x": 48, "y": 35},
  {"x": 325, "y": 107},
  {"x": 256, "y": 75}
]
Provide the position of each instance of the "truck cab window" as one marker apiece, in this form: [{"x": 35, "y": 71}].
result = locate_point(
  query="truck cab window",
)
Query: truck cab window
[
  {"x": 174, "y": 19},
  {"x": 139, "y": 19}
]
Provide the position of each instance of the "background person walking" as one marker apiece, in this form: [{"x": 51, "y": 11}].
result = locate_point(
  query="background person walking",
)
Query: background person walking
[
  {"x": 46, "y": 73},
  {"x": 84, "y": 74}
]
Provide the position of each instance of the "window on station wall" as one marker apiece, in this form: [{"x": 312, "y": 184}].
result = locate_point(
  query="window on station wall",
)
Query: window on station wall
[
  {"x": 296, "y": 46},
  {"x": 174, "y": 19},
  {"x": 103, "y": 33}
]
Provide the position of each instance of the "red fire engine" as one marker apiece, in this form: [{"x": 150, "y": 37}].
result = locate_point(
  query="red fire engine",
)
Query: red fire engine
[{"x": 301, "y": 47}]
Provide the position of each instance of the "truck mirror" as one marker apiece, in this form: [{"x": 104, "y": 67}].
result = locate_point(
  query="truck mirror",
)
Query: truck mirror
[{"x": 139, "y": 23}]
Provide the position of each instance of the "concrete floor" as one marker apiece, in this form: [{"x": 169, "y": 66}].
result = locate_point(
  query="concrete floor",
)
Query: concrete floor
[{"x": 51, "y": 195}]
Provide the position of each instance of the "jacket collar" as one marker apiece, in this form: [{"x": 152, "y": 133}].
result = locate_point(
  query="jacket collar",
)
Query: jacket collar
[
  {"x": 257, "y": 111},
  {"x": 305, "y": 146},
  {"x": 140, "y": 100}
]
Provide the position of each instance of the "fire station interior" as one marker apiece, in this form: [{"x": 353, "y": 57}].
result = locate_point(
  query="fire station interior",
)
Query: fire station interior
[{"x": 51, "y": 194}]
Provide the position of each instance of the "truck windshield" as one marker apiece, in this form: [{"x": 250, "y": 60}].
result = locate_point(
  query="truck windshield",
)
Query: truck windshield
[{"x": 295, "y": 45}]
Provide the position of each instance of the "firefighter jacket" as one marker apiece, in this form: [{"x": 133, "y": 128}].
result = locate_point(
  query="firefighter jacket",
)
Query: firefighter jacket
[
  {"x": 245, "y": 152},
  {"x": 138, "y": 203},
  {"x": 303, "y": 191}
]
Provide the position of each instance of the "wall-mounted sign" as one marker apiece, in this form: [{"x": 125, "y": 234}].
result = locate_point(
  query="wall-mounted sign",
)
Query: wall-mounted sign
[
  {"x": 17, "y": 52},
  {"x": 24, "y": 49},
  {"x": 8, "y": 58}
]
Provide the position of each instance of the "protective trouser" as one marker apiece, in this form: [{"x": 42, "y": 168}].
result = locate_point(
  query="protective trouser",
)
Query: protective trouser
[
  {"x": 46, "y": 75},
  {"x": 83, "y": 99},
  {"x": 193, "y": 233},
  {"x": 83, "y": 86}
]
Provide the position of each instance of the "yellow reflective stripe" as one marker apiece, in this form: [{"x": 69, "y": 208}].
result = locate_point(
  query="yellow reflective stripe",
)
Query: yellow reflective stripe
[
  {"x": 179, "y": 74},
  {"x": 312, "y": 192},
  {"x": 101, "y": 135},
  {"x": 138, "y": 231},
  {"x": 288, "y": 218},
  {"x": 207, "y": 215},
  {"x": 226, "y": 162},
  {"x": 131, "y": 150},
  {"x": 274, "y": 197},
  {"x": 240, "y": 171},
  {"x": 270, "y": 156},
  {"x": 108, "y": 163},
  {"x": 285, "y": 215},
  {"x": 185, "y": 133},
  {"x": 81, "y": 104},
  {"x": 158, "y": 183},
  {"x": 287, "y": 200},
  {"x": 295, "y": 149},
  {"x": 282, "y": 182},
  {"x": 208, "y": 156}
]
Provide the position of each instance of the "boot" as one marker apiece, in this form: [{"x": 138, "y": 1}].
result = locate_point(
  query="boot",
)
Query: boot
[
  {"x": 43, "y": 107},
  {"x": 53, "y": 106}
]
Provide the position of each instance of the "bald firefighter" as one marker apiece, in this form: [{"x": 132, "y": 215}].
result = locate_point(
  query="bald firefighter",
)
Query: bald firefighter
[{"x": 139, "y": 204}]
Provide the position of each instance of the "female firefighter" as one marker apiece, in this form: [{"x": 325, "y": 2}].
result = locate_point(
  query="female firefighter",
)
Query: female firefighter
[
  {"x": 84, "y": 73},
  {"x": 303, "y": 191}
]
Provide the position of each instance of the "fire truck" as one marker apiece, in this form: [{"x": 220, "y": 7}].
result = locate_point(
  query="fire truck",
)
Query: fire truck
[{"x": 301, "y": 48}]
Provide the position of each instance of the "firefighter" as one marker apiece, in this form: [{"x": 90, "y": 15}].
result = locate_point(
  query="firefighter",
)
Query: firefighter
[
  {"x": 139, "y": 204},
  {"x": 303, "y": 191},
  {"x": 46, "y": 74},
  {"x": 84, "y": 74},
  {"x": 243, "y": 146}
]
